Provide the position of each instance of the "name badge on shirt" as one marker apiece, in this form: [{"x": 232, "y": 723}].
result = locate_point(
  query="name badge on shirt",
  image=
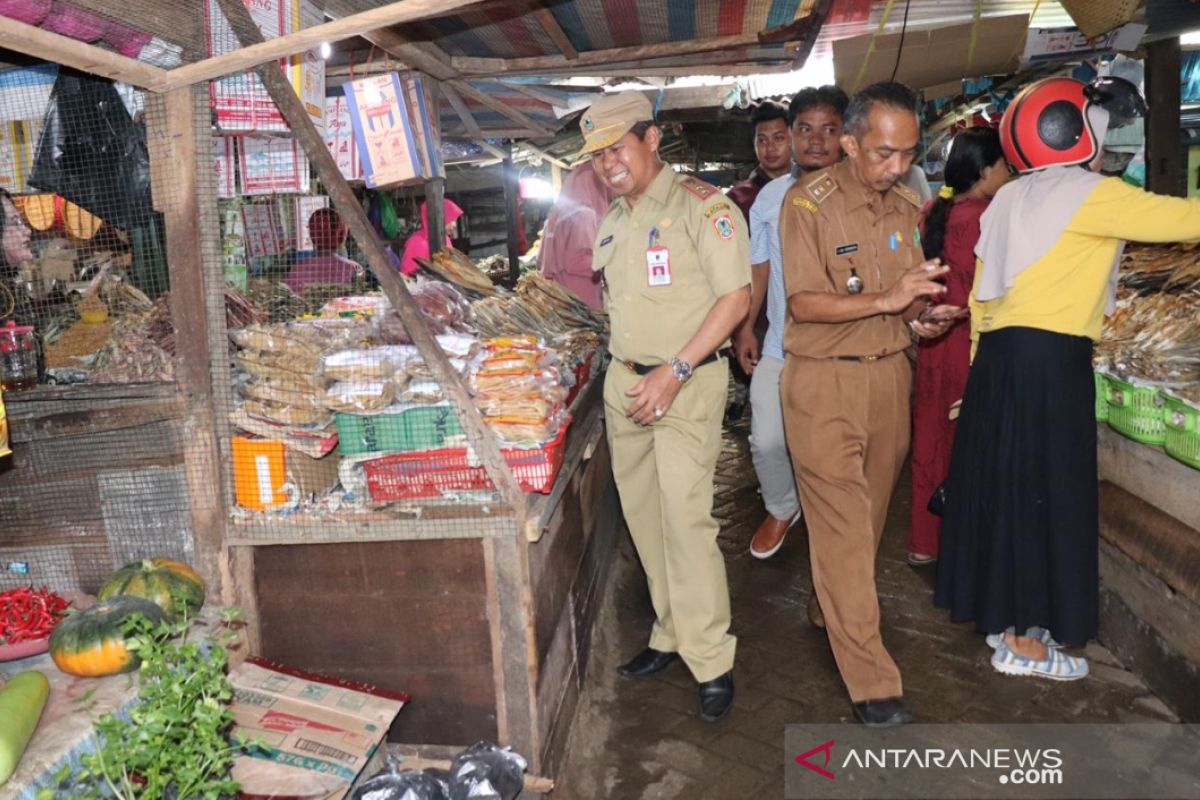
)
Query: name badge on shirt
[{"x": 658, "y": 266}]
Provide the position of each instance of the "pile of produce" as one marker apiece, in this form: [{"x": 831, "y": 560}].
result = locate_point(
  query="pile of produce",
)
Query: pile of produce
[{"x": 28, "y": 614}]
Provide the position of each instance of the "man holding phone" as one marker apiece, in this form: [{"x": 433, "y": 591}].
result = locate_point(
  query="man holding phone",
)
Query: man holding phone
[{"x": 858, "y": 289}]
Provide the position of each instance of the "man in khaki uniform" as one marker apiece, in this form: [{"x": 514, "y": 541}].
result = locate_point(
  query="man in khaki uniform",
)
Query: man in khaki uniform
[
  {"x": 673, "y": 255},
  {"x": 855, "y": 277}
]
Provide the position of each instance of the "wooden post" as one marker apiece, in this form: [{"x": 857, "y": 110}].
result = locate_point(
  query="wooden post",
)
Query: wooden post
[
  {"x": 512, "y": 191},
  {"x": 479, "y": 435},
  {"x": 435, "y": 214},
  {"x": 172, "y": 129},
  {"x": 556, "y": 178},
  {"x": 1166, "y": 165}
]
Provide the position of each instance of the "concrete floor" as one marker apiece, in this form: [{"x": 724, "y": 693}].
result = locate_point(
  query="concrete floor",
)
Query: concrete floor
[{"x": 642, "y": 740}]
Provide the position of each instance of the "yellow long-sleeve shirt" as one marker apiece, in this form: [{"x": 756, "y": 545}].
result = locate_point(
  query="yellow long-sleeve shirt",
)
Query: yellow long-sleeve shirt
[{"x": 1066, "y": 290}]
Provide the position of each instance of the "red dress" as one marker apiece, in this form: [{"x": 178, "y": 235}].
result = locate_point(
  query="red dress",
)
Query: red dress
[{"x": 942, "y": 366}]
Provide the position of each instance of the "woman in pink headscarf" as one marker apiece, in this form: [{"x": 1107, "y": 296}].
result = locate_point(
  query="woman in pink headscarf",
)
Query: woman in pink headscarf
[
  {"x": 417, "y": 245},
  {"x": 566, "y": 254}
]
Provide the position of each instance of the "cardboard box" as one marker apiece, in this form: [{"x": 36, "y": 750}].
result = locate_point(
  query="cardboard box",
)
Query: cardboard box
[
  {"x": 387, "y": 146},
  {"x": 932, "y": 56},
  {"x": 266, "y": 473},
  {"x": 315, "y": 733}
]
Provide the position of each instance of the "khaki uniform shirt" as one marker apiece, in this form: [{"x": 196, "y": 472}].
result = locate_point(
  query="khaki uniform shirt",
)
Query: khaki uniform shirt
[
  {"x": 664, "y": 263},
  {"x": 832, "y": 227}
]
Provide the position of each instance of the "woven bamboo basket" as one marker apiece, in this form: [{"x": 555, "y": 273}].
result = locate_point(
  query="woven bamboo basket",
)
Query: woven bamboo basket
[{"x": 1096, "y": 17}]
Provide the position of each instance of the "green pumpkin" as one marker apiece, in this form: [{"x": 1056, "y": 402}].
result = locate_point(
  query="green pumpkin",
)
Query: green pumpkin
[
  {"x": 91, "y": 643},
  {"x": 172, "y": 585}
]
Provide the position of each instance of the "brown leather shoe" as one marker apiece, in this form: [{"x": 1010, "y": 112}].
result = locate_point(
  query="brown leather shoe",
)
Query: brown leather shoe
[
  {"x": 769, "y": 536},
  {"x": 815, "y": 615}
]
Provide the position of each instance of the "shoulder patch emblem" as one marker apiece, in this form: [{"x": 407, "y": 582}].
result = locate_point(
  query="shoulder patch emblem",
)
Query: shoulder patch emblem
[
  {"x": 908, "y": 194},
  {"x": 708, "y": 212},
  {"x": 805, "y": 203},
  {"x": 606, "y": 240},
  {"x": 821, "y": 187},
  {"x": 724, "y": 225},
  {"x": 699, "y": 188}
]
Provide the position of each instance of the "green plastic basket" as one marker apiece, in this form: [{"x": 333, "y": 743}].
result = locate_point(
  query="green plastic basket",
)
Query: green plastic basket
[
  {"x": 1183, "y": 431},
  {"x": 1102, "y": 389},
  {"x": 1136, "y": 412},
  {"x": 418, "y": 428}
]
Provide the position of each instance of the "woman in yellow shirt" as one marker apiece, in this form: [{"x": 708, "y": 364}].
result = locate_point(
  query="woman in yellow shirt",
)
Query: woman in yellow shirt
[{"x": 1020, "y": 541}]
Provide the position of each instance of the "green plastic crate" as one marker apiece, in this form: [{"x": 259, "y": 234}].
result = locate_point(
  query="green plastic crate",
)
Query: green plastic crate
[
  {"x": 418, "y": 428},
  {"x": 1183, "y": 431},
  {"x": 1136, "y": 412},
  {"x": 1102, "y": 389}
]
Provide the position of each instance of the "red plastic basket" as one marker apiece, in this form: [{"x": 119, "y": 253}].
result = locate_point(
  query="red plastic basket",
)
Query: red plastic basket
[
  {"x": 583, "y": 374},
  {"x": 403, "y": 476}
]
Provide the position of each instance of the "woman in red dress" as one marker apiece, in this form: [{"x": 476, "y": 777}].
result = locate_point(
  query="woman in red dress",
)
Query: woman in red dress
[{"x": 975, "y": 170}]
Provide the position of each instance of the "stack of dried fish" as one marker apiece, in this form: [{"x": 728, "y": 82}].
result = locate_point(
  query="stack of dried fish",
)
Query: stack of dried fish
[
  {"x": 540, "y": 307},
  {"x": 456, "y": 267},
  {"x": 1154, "y": 338},
  {"x": 276, "y": 299},
  {"x": 239, "y": 312},
  {"x": 1149, "y": 268},
  {"x": 558, "y": 301},
  {"x": 495, "y": 267},
  {"x": 131, "y": 356}
]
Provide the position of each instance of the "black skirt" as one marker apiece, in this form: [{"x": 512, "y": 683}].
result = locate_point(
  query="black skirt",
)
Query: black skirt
[{"x": 1020, "y": 536}]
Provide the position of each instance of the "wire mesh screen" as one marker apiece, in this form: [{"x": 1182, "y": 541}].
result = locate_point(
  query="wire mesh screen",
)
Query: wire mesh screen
[
  {"x": 338, "y": 426},
  {"x": 97, "y": 474}
]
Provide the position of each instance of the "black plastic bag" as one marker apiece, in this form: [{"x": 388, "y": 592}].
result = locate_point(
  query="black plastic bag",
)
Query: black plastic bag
[
  {"x": 92, "y": 152},
  {"x": 486, "y": 772},
  {"x": 394, "y": 784}
]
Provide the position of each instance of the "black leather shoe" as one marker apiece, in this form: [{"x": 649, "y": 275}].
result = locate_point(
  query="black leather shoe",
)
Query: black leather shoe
[
  {"x": 882, "y": 713},
  {"x": 647, "y": 662},
  {"x": 716, "y": 697}
]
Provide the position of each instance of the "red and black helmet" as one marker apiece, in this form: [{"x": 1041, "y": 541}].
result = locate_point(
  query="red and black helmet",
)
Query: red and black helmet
[{"x": 1047, "y": 124}]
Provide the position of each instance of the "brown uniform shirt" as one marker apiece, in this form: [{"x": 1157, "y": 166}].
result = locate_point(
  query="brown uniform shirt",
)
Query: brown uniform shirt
[
  {"x": 832, "y": 227},
  {"x": 699, "y": 239}
]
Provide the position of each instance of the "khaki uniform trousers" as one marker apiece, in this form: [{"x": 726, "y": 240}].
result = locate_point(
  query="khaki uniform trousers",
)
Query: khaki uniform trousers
[
  {"x": 848, "y": 431},
  {"x": 664, "y": 474}
]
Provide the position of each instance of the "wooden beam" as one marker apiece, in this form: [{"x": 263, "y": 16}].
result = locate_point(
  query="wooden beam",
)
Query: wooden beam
[
  {"x": 539, "y": 152},
  {"x": 496, "y": 105},
  {"x": 491, "y": 148},
  {"x": 49, "y": 46},
  {"x": 502, "y": 66},
  {"x": 670, "y": 71},
  {"x": 460, "y": 107},
  {"x": 813, "y": 24},
  {"x": 179, "y": 138},
  {"x": 534, "y": 93},
  {"x": 354, "y": 25},
  {"x": 550, "y": 25},
  {"x": 479, "y": 436},
  {"x": 512, "y": 194},
  {"x": 410, "y": 53},
  {"x": 1166, "y": 160}
]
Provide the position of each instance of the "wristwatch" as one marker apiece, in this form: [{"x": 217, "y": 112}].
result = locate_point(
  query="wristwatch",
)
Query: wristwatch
[{"x": 680, "y": 368}]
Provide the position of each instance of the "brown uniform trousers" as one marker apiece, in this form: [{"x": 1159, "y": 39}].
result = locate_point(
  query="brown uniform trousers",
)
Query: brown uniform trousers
[{"x": 846, "y": 402}]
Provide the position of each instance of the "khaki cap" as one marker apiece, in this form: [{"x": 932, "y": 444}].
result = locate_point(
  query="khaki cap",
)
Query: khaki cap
[{"x": 611, "y": 117}]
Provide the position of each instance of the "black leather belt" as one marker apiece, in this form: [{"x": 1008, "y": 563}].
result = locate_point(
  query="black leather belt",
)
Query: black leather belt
[
  {"x": 866, "y": 358},
  {"x": 646, "y": 369}
]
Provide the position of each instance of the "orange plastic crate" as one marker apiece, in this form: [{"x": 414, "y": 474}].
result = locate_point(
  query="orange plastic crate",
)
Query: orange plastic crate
[{"x": 405, "y": 476}]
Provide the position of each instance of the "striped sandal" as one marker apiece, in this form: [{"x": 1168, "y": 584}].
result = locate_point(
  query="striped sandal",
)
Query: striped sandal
[
  {"x": 994, "y": 640},
  {"x": 1058, "y": 666}
]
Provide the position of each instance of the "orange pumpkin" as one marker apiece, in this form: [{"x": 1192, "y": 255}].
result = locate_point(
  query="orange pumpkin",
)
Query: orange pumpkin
[{"x": 92, "y": 643}]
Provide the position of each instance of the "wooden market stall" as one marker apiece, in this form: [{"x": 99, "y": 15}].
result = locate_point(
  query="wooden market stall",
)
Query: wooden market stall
[{"x": 480, "y": 607}]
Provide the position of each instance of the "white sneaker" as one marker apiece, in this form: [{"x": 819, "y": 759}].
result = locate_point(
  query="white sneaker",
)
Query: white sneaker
[
  {"x": 1058, "y": 666},
  {"x": 994, "y": 640}
]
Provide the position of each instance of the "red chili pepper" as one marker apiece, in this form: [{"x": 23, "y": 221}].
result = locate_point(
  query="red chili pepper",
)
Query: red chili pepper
[{"x": 26, "y": 614}]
